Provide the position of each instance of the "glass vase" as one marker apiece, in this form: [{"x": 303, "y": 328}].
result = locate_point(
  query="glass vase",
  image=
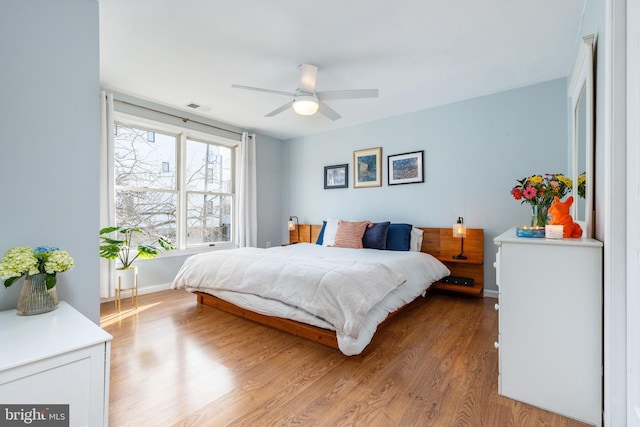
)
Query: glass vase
[
  {"x": 35, "y": 298},
  {"x": 539, "y": 215}
]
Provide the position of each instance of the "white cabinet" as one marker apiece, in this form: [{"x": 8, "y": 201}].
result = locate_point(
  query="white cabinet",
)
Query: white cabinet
[
  {"x": 60, "y": 357},
  {"x": 550, "y": 324}
]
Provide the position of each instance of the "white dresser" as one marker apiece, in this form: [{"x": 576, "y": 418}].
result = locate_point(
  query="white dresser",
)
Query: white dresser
[
  {"x": 59, "y": 357},
  {"x": 550, "y": 324}
]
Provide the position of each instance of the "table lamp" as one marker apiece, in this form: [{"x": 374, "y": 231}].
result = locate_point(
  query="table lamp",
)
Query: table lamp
[
  {"x": 294, "y": 225},
  {"x": 460, "y": 232}
]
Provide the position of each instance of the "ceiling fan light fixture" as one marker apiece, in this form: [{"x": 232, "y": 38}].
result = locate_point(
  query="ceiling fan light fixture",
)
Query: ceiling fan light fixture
[{"x": 305, "y": 105}]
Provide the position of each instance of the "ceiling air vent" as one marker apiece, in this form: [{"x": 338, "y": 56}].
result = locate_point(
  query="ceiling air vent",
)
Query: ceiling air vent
[{"x": 200, "y": 108}]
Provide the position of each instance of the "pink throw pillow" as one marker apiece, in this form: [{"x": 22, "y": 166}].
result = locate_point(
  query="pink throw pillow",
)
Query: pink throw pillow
[{"x": 349, "y": 234}]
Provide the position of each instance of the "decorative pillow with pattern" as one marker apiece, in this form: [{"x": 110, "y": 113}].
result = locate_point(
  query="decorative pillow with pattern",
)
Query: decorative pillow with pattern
[{"x": 349, "y": 234}]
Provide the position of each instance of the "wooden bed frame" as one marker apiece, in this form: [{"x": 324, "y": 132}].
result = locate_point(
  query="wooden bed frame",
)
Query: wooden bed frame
[{"x": 438, "y": 242}]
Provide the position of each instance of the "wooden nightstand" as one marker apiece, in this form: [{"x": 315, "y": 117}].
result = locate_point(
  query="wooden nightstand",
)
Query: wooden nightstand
[{"x": 472, "y": 267}]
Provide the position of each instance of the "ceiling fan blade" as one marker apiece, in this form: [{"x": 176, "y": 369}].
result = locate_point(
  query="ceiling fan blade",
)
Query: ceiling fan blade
[
  {"x": 308, "y": 74},
  {"x": 347, "y": 94},
  {"x": 279, "y": 109},
  {"x": 257, "y": 89},
  {"x": 328, "y": 111}
]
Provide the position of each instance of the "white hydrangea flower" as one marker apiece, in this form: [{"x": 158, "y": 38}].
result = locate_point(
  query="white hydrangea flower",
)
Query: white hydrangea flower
[
  {"x": 18, "y": 261},
  {"x": 57, "y": 262},
  {"x": 22, "y": 260}
]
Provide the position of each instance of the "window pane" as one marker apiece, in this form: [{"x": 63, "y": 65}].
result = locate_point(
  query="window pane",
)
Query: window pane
[
  {"x": 209, "y": 167},
  {"x": 208, "y": 218},
  {"x": 153, "y": 211},
  {"x": 139, "y": 159}
]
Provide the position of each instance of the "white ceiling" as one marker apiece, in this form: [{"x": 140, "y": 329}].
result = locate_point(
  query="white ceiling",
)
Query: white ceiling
[{"x": 418, "y": 53}]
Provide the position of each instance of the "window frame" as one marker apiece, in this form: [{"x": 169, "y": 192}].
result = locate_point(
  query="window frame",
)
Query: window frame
[{"x": 182, "y": 134}]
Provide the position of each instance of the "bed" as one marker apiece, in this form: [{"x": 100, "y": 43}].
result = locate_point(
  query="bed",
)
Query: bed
[{"x": 337, "y": 296}]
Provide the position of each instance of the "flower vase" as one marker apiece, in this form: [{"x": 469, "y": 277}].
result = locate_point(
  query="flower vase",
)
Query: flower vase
[
  {"x": 35, "y": 298},
  {"x": 539, "y": 215}
]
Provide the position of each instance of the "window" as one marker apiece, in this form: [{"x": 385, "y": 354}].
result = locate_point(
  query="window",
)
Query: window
[
  {"x": 174, "y": 185},
  {"x": 209, "y": 192}
]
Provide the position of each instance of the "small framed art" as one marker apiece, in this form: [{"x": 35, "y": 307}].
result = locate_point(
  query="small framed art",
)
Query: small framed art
[
  {"x": 407, "y": 168},
  {"x": 367, "y": 168},
  {"x": 336, "y": 176}
]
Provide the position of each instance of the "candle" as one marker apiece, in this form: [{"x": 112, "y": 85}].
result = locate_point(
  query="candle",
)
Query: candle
[{"x": 553, "y": 231}]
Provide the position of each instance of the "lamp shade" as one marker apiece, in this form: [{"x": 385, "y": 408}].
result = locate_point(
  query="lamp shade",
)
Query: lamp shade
[
  {"x": 293, "y": 224},
  {"x": 459, "y": 229},
  {"x": 305, "y": 105}
]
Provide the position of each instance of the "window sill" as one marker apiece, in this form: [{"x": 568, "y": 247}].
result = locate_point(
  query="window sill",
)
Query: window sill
[{"x": 190, "y": 251}]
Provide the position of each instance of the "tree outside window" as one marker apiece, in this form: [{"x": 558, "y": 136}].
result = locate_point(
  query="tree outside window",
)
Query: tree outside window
[{"x": 148, "y": 192}]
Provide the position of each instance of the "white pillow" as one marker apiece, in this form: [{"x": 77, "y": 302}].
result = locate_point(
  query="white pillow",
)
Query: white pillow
[
  {"x": 330, "y": 230},
  {"x": 416, "y": 239}
]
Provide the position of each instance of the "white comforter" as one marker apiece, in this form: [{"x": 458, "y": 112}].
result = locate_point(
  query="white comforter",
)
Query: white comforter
[{"x": 347, "y": 290}]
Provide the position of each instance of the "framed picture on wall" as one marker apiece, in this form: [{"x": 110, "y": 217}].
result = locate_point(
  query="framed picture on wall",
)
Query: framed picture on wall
[
  {"x": 336, "y": 176},
  {"x": 406, "y": 168},
  {"x": 367, "y": 168}
]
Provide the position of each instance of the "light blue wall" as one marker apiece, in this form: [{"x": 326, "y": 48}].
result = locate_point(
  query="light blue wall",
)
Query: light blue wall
[
  {"x": 49, "y": 121},
  {"x": 270, "y": 177},
  {"x": 474, "y": 151}
]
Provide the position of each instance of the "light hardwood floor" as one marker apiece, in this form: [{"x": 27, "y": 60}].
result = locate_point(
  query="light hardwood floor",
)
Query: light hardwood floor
[{"x": 177, "y": 363}]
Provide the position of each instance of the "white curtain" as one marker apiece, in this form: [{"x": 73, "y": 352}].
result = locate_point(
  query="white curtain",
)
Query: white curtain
[
  {"x": 107, "y": 210},
  {"x": 247, "y": 193}
]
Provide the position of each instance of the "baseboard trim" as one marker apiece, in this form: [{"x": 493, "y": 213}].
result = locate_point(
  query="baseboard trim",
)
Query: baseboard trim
[
  {"x": 490, "y": 294},
  {"x": 143, "y": 291},
  {"x": 156, "y": 288}
]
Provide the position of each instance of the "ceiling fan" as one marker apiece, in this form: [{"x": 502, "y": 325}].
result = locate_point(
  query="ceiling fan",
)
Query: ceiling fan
[{"x": 306, "y": 101}]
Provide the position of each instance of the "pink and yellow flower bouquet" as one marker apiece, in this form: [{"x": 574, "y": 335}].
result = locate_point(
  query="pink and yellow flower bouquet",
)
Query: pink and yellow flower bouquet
[{"x": 539, "y": 191}]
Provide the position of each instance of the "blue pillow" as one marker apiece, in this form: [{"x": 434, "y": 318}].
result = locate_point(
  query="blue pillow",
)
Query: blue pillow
[
  {"x": 375, "y": 237},
  {"x": 321, "y": 235},
  {"x": 399, "y": 237}
]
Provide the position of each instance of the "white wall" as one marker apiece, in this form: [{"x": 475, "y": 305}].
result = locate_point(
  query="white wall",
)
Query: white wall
[
  {"x": 49, "y": 118},
  {"x": 474, "y": 152},
  {"x": 606, "y": 19},
  {"x": 593, "y": 23}
]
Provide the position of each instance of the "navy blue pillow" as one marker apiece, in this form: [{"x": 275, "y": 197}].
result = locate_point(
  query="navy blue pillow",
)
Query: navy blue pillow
[
  {"x": 399, "y": 237},
  {"x": 375, "y": 237},
  {"x": 321, "y": 235}
]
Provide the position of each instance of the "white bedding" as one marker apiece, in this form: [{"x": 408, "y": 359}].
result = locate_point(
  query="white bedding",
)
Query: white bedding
[{"x": 398, "y": 278}]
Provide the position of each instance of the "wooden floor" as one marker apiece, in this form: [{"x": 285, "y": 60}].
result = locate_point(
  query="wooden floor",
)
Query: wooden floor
[{"x": 177, "y": 363}]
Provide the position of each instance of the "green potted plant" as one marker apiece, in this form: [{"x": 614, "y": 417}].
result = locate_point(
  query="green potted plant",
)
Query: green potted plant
[
  {"x": 119, "y": 249},
  {"x": 113, "y": 248}
]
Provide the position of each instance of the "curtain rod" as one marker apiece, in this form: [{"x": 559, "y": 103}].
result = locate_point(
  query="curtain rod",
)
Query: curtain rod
[{"x": 184, "y": 119}]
